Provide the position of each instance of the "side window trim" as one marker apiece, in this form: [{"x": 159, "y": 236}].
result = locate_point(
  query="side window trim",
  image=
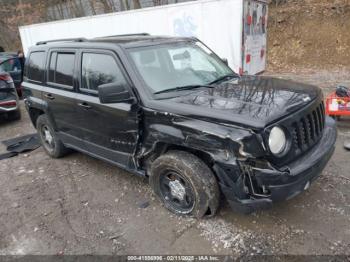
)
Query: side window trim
[
  {"x": 50, "y": 57},
  {"x": 102, "y": 52},
  {"x": 57, "y": 85}
]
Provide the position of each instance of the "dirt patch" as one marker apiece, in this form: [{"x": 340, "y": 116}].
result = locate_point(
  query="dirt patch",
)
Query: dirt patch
[{"x": 309, "y": 34}]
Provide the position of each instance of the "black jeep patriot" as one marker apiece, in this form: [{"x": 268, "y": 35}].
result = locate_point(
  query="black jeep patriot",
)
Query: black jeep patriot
[{"x": 170, "y": 109}]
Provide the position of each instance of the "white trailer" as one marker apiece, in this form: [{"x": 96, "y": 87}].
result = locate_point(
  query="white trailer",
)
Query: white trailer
[{"x": 234, "y": 29}]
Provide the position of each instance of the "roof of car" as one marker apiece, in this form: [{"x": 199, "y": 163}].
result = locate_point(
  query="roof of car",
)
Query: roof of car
[
  {"x": 138, "y": 40},
  {"x": 128, "y": 38},
  {"x": 123, "y": 40}
]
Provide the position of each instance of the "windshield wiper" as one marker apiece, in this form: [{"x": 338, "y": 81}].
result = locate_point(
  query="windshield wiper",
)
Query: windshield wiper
[
  {"x": 228, "y": 76},
  {"x": 179, "y": 88}
]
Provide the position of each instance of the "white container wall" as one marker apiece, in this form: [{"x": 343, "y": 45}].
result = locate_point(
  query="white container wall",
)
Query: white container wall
[{"x": 219, "y": 24}]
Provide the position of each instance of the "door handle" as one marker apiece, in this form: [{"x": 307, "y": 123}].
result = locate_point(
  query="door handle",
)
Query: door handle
[
  {"x": 84, "y": 105},
  {"x": 49, "y": 96}
]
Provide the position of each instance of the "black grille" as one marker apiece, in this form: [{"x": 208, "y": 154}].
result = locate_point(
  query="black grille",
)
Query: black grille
[{"x": 307, "y": 131}]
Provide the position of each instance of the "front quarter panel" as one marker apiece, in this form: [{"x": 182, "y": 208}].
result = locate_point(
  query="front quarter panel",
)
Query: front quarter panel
[{"x": 220, "y": 143}]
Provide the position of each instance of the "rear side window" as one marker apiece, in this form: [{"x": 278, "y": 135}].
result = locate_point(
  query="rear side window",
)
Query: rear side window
[
  {"x": 99, "y": 69},
  {"x": 36, "y": 66},
  {"x": 61, "y": 68}
]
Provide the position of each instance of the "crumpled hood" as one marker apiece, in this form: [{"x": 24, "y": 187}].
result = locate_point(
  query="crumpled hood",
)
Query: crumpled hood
[{"x": 250, "y": 100}]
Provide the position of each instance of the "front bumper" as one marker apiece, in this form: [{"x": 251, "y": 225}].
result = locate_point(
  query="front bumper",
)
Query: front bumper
[{"x": 282, "y": 185}]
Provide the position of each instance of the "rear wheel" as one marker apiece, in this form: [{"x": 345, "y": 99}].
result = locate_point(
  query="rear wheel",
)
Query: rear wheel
[
  {"x": 49, "y": 140},
  {"x": 185, "y": 184}
]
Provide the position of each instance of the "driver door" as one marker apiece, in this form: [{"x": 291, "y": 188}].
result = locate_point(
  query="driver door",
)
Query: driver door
[{"x": 110, "y": 131}]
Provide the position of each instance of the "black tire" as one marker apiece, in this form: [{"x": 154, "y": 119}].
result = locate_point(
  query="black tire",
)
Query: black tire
[
  {"x": 199, "y": 192},
  {"x": 53, "y": 146},
  {"x": 14, "y": 115}
]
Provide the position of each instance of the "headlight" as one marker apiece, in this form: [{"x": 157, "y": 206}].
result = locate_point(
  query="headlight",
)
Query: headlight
[{"x": 277, "y": 140}]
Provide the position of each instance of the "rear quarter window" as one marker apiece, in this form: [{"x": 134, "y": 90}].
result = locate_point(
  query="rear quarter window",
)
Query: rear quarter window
[{"x": 35, "y": 66}]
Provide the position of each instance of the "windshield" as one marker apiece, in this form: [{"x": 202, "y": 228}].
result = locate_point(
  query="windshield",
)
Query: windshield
[{"x": 175, "y": 65}]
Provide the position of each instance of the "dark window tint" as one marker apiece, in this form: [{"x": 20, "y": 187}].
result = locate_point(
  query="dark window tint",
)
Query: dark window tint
[
  {"x": 36, "y": 66},
  {"x": 52, "y": 67},
  {"x": 64, "y": 69},
  {"x": 99, "y": 69}
]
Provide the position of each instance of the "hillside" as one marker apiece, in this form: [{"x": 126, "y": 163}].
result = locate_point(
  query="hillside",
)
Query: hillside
[{"x": 309, "y": 34}]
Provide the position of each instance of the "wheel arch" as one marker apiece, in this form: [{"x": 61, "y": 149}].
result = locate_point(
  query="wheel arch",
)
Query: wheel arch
[
  {"x": 162, "y": 147},
  {"x": 202, "y": 155},
  {"x": 37, "y": 107},
  {"x": 34, "y": 113}
]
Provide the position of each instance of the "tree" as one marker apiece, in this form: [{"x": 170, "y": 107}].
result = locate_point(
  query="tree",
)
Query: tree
[{"x": 16, "y": 13}]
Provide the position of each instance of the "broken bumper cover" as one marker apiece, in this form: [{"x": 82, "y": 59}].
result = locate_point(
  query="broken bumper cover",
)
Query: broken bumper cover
[{"x": 285, "y": 185}]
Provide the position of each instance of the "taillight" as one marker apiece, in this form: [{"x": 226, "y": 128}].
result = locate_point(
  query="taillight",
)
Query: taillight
[
  {"x": 6, "y": 78},
  {"x": 11, "y": 103}
]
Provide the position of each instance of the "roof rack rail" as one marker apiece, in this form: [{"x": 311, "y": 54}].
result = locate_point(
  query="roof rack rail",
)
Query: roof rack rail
[
  {"x": 123, "y": 35},
  {"x": 80, "y": 39}
]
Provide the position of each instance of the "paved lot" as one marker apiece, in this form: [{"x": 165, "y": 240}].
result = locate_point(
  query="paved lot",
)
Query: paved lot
[{"x": 80, "y": 205}]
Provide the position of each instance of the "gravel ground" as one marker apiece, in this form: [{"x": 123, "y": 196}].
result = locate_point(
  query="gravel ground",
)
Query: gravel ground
[{"x": 80, "y": 205}]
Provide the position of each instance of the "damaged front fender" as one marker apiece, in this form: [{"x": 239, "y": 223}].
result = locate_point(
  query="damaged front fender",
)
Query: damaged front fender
[{"x": 218, "y": 145}]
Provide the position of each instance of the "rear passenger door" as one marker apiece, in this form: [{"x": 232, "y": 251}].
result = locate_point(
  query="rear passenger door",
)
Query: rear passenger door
[
  {"x": 109, "y": 130},
  {"x": 60, "y": 94}
]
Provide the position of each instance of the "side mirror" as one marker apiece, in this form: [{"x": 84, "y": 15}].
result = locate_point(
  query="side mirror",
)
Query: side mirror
[
  {"x": 225, "y": 61},
  {"x": 113, "y": 93}
]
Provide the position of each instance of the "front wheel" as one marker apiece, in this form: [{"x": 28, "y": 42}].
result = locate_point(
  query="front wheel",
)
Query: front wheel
[{"x": 184, "y": 184}]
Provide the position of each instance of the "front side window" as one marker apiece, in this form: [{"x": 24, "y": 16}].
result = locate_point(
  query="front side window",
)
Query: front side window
[
  {"x": 61, "y": 68},
  {"x": 169, "y": 66},
  {"x": 36, "y": 66},
  {"x": 99, "y": 69}
]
